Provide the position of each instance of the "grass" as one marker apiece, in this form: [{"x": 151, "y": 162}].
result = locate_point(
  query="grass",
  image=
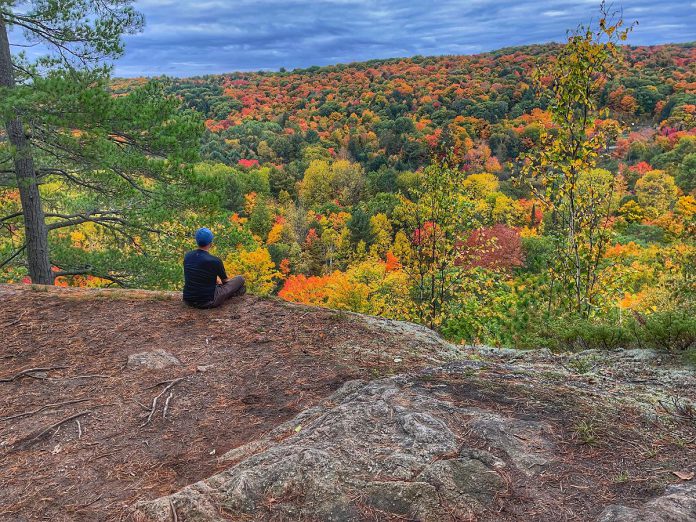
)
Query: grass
[
  {"x": 585, "y": 430},
  {"x": 582, "y": 365},
  {"x": 650, "y": 453},
  {"x": 622, "y": 477},
  {"x": 689, "y": 357}
]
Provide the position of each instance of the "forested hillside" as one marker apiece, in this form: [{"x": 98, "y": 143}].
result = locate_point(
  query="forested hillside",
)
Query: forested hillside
[{"x": 397, "y": 188}]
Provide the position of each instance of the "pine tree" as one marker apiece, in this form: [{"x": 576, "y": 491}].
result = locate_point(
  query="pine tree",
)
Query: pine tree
[{"x": 64, "y": 125}]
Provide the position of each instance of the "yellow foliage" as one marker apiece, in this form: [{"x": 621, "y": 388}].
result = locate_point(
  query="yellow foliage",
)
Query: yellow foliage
[
  {"x": 77, "y": 238},
  {"x": 249, "y": 202},
  {"x": 256, "y": 267},
  {"x": 480, "y": 185},
  {"x": 382, "y": 232},
  {"x": 656, "y": 191},
  {"x": 632, "y": 212},
  {"x": 632, "y": 301},
  {"x": 528, "y": 232},
  {"x": 275, "y": 234},
  {"x": 686, "y": 207}
]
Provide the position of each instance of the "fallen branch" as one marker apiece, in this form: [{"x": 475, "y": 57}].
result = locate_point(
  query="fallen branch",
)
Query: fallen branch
[
  {"x": 163, "y": 382},
  {"x": 29, "y": 371},
  {"x": 154, "y": 401},
  {"x": 16, "y": 321},
  {"x": 54, "y": 426},
  {"x": 42, "y": 408},
  {"x": 89, "y": 376},
  {"x": 166, "y": 405},
  {"x": 141, "y": 405},
  {"x": 175, "y": 517}
]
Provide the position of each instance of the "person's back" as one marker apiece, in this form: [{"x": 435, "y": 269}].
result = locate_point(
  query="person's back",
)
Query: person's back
[{"x": 201, "y": 273}]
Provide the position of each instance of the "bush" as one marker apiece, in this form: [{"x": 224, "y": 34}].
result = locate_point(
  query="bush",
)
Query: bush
[
  {"x": 598, "y": 336},
  {"x": 671, "y": 331},
  {"x": 538, "y": 250},
  {"x": 572, "y": 334},
  {"x": 667, "y": 331}
]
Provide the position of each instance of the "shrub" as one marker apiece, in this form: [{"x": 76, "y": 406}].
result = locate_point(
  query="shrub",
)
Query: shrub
[
  {"x": 574, "y": 333},
  {"x": 671, "y": 331},
  {"x": 599, "y": 336}
]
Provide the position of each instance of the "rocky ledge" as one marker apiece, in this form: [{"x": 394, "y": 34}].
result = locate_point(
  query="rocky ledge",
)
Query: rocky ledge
[{"x": 497, "y": 435}]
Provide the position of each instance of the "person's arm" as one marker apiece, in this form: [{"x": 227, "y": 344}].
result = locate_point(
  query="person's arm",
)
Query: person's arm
[{"x": 221, "y": 271}]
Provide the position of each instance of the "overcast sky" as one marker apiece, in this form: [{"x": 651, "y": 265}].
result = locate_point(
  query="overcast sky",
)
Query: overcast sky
[{"x": 194, "y": 37}]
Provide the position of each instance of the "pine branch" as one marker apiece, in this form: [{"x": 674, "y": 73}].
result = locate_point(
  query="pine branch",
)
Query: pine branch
[{"x": 13, "y": 256}]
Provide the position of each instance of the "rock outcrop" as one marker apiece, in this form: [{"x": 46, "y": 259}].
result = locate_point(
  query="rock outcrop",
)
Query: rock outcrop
[{"x": 456, "y": 442}]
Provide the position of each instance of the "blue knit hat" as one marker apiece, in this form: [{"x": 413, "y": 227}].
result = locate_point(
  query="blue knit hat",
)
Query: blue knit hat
[{"x": 204, "y": 237}]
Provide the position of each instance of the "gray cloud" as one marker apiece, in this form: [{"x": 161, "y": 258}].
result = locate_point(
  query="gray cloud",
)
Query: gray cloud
[{"x": 189, "y": 37}]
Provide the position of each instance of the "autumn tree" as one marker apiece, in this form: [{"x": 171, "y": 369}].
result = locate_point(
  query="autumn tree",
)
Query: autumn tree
[
  {"x": 435, "y": 222},
  {"x": 63, "y": 125},
  {"x": 257, "y": 268},
  {"x": 559, "y": 169},
  {"x": 315, "y": 188},
  {"x": 656, "y": 192},
  {"x": 324, "y": 181},
  {"x": 494, "y": 248},
  {"x": 382, "y": 233}
]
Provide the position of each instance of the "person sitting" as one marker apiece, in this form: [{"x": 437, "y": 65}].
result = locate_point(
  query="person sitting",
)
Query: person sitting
[{"x": 205, "y": 281}]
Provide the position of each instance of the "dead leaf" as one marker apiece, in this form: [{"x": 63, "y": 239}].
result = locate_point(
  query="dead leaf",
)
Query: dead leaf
[{"x": 684, "y": 475}]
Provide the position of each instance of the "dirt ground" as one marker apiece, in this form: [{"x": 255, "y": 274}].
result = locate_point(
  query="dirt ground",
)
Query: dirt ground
[
  {"x": 80, "y": 439},
  {"x": 73, "y": 440}
]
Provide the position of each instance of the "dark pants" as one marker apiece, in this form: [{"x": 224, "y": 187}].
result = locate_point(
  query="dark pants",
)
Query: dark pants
[{"x": 233, "y": 288}]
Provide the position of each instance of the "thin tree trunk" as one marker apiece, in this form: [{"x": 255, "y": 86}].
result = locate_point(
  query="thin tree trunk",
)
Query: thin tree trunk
[{"x": 34, "y": 223}]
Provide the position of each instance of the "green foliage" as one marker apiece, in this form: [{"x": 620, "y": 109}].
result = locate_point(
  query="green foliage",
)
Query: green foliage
[
  {"x": 562, "y": 168},
  {"x": 359, "y": 227},
  {"x": 643, "y": 234},
  {"x": 586, "y": 431},
  {"x": 665, "y": 331},
  {"x": 538, "y": 250},
  {"x": 260, "y": 220},
  {"x": 668, "y": 330},
  {"x": 591, "y": 335},
  {"x": 686, "y": 173},
  {"x": 369, "y": 189}
]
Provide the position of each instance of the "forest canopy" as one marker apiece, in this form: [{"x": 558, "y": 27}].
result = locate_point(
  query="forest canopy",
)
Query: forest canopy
[{"x": 406, "y": 188}]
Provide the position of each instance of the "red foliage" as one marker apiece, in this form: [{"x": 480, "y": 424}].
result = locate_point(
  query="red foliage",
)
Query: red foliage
[
  {"x": 312, "y": 236},
  {"x": 533, "y": 211},
  {"x": 302, "y": 289},
  {"x": 641, "y": 168},
  {"x": 392, "y": 262},
  {"x": 285, "y": 267},
  {"x": 428, "y": 232},
  {"x": 248, "y": 163},
  {"x": 495, "y": 248}
]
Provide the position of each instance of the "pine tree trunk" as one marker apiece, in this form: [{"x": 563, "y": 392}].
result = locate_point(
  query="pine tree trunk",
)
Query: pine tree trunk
[{"x": 34, "y": 223}]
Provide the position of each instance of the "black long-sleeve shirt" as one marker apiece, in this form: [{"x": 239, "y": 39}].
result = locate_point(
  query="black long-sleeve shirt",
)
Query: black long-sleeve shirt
[{"x": 201, "y": 271}]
